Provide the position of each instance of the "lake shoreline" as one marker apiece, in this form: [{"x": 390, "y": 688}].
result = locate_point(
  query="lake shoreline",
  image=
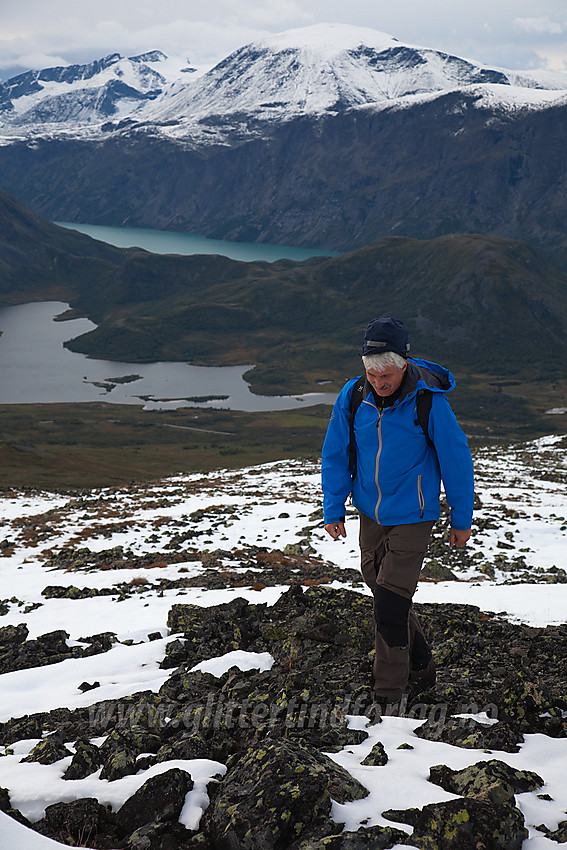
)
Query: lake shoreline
[{"x": 40, "y": 366}]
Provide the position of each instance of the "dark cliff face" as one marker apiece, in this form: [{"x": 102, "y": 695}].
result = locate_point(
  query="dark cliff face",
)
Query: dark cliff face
[{"x": 338, "y": 182}]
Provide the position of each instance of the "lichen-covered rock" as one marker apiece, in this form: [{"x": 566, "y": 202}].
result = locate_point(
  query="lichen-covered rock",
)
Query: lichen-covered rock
[
  {"x": 46, "y": 649},
  {"x": 18, "y": 653},
  {"x": 468, "y": 824},
  {"x": 468, "y": 733},
  {"x": 186, "y": 748},
  {"x": 49, "y": 751},
  {"x": 365, "y": 838},
  {"x": 186, "y": 687},
  {"x": 160, "y": 836},
  {"x": 55, "y": 591},
  {"x": 5, "y": 803},
  {"x": 272, "y": 792},
  {"x": 85, "y": 761},
  {"x": 492, "y": 781},
  {"x": 118, "y": 764},
  {"x": 321, "y": 617},
  {"x": 409, "y": 816},
  {"x": 98, "y": 643},
  {"x": 329, "y": 738},
  {"x": 559, "y": 834},
  {"x": 21, "y": 729},
  {"x": 160, "y": 798},
  {"x": 215, "y": 630},
  {"x": 523, "y": 700},
  {"x": 434, "y": 570},
  {"x": 377, "y": 755},
  {"x": 176, "y": 652},
  {"x": 13, "y": 635},
  {"x": 82, "y": 823}
]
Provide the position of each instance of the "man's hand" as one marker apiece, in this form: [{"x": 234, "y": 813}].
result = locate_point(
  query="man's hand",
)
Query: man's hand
[
  {"x": 336, "y": 529},
  {"x": 458, "y": 537}
]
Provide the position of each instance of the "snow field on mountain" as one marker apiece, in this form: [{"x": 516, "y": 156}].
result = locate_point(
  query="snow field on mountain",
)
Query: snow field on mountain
[{"x": 312, "y": 70}]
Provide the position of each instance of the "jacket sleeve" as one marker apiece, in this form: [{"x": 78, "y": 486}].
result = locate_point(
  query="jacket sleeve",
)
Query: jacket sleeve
[
  {"x": 336, "y": 479},
  {"x": 455, "y": 461}
]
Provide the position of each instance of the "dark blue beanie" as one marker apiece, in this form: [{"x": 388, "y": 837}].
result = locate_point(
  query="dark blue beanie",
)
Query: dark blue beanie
[{"x": 386, "y": 335}]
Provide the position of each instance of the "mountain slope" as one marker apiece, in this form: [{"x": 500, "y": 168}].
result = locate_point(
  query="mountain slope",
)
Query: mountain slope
[
  {"x": 309, "y": 71},
  {"x": 315, "y": 70},
  {"x": 337, "y": 182},
  {"x": 327, "y": 136},
  {"x": 471, "y": 300},
  {"x": 82, "y": 94}
]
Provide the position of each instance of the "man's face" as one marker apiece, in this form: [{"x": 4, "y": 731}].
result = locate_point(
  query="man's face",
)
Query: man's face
[{"x": 387, "y": 382}]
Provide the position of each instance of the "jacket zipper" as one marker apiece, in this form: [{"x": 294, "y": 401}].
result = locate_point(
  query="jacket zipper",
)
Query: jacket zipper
[
  {"x": 420, "y": 497},
  {"x": 379, "y": 427}
]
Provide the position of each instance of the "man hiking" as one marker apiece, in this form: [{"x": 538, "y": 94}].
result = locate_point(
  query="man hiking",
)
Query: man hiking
[{"x": 392, "y": 438}]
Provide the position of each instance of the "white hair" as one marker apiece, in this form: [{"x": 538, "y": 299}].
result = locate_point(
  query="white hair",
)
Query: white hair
[{"x": 379, "y": 362}]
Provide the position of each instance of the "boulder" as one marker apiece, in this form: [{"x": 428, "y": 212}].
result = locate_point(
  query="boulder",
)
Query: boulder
[
  {"x": 49, "y": 751},
  {"x": 215, "y": 630},
  {"x": 13, "y": 635},
  {"x": 85, "y": 761},
  {"x": 559, "y": 834},
  {"x": 468, "y": 733},
  {"x": 469, "y": 824},
  {"x": 523, "y": 699},
  {"x": 161, "y": 798},
  {"x": 82, "y": 823},
  {"x": 118, "y": 764},
  {"x": 272, "y": 792},
  {"x": 366, "y": 838},
  {"x": 377, "y": 756},
  {"x": 493, "y": 781}
]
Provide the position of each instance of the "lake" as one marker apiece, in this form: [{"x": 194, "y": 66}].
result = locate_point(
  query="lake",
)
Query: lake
[
  {"x": 36, "y": 368},
  {"x": 166, "y": 242}
]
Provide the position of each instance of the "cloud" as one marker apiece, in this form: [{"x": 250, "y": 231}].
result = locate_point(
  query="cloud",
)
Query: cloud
[
  {"x": 34, "y": 61},
  {"x": 269, "y": 14},
  {"x": 507, "y": 33},
  {"x": 539, "y": 25},
  {"x": 201, "y": 42}
]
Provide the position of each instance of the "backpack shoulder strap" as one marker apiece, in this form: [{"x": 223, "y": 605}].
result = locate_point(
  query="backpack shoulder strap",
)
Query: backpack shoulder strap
[
  {"x": 355, "y": 400},
  {"x": 424, "y": 400}
]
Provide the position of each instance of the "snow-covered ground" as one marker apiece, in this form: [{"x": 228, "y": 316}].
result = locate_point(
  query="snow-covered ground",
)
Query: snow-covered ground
[{"x": 518, "y": 547}]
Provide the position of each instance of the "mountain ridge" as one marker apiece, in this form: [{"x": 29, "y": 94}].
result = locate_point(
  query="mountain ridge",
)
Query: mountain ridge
[
  {"x": 284, "y": 142},
  {"x": 307, "y": 71},
  {"x": 469, "y": 299}
]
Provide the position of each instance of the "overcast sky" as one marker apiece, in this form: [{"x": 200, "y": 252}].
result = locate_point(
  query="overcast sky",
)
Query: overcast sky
[{"x": 505, "y": 33}]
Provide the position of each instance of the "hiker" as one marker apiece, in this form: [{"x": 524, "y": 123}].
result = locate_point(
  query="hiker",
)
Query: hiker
[{"x": 403, "y": 439}]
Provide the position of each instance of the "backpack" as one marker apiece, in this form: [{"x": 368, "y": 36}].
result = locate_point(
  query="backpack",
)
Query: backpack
[{"x": 423, "y": 406}]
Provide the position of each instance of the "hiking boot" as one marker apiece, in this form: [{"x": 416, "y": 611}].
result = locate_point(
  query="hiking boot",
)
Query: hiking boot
[
  {"x": 385, "y": 707},
  {"x": 421, "y": 680}
]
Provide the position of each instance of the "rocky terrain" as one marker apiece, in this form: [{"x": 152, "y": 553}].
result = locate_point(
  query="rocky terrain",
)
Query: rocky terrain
[
  {"x": 274, "y": 729},
  {"x": 186, "y": 665}
]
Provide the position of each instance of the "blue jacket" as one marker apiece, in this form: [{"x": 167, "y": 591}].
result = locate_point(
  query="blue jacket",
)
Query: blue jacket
[{"x": 399, "y": 476}]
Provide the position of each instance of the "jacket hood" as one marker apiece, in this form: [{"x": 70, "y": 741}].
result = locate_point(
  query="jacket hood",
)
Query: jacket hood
[{"x": 426, "y": 375}]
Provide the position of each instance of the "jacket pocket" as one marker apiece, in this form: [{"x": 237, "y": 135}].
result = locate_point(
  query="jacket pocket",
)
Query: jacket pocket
[{"x": 420, "y": 497}]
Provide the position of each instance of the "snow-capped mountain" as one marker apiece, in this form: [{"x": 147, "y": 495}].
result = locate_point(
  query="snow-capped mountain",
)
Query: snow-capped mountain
[
  {"x": 321, "y": 69},
  {"x": 243, "y": 151},
  {"x": 88, "y": 93},
  {"x": 327, "y": 68}
]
